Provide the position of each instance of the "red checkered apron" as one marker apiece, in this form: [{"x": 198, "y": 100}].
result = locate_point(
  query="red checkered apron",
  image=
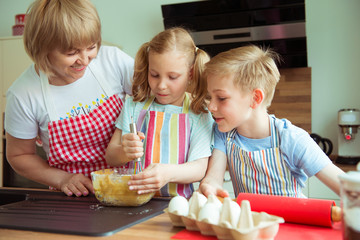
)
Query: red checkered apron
[{"x": 78, "y": 144}]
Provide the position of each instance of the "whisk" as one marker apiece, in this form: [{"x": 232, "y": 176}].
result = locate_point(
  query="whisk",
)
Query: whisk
[{"x": 137, "y": 162}]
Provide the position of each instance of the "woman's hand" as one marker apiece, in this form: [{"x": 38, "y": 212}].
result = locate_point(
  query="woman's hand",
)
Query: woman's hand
[
  {"x": 132, "y": 145},
  {"x": 152, "y": 179},
  {"x": 77, "y": 184},
  {"x": 21, "y": 154}
]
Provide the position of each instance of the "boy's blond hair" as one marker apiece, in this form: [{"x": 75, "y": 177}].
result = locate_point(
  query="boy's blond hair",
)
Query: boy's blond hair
[
  {"x": 59, "y": 24},
  {"x": 172, "y": 39},
  {"x": 251, "y": 67}
]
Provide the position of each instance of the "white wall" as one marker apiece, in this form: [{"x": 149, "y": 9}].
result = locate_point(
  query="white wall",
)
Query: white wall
[
  {"x": 8, "y": 10},
  {"x": 131, "y": 23},
  {"x": 333, "y": 41},
  {"x": 128, "y": 23},
  {"x": 333, "y": 46}
]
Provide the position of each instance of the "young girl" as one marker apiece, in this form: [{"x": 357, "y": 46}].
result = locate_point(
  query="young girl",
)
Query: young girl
[
  {"x": 176, "y": 131},
  {"x": 264, "y": 154}
]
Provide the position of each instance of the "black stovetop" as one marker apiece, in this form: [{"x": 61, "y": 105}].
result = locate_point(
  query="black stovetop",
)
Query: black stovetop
[{"x": 54, "y": 212}]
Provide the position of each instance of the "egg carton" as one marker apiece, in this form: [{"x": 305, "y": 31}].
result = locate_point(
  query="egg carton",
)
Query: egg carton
[{"x": 226, "y": 220}]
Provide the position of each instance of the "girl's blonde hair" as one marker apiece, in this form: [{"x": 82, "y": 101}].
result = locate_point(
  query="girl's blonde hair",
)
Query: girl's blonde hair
[
  {"x": 169, "y": 40},
  {"x": 59, "y": 24},
  {"x": 251, "y": 67}
]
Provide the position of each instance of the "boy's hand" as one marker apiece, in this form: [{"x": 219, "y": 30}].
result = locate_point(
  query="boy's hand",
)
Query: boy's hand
[
  {"x": 77, "y": 184},
  {"x": 132, "y": 145},
  {"x": 152, "y": 179},
  {"x": 208, "y": 188}
]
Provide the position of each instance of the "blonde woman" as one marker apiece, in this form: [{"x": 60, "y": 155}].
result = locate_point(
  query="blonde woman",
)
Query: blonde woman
[{"x": 70, "y": 97}]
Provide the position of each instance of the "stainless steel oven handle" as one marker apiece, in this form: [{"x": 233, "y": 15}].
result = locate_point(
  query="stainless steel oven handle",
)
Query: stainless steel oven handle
[{"x": 270, "y": 32}]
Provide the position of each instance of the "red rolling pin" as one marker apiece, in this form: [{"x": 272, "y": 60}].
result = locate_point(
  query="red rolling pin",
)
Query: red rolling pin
[{"x": 295, "y": 210}]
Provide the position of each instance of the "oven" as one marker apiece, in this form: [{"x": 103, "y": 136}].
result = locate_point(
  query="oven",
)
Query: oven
[{"x": 218, "y": 26}]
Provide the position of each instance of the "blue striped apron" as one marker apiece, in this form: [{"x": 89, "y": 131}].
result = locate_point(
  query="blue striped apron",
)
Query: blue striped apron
[
  {"x": 263, "y": 171},
  {"x": 167, "y": 141}
]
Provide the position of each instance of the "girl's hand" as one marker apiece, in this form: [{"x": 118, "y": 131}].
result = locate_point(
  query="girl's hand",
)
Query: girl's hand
[
  {"x": 77, "y": 184},
  {"x": 152, "y": 179},
  {"x": 132, "y": 145}
]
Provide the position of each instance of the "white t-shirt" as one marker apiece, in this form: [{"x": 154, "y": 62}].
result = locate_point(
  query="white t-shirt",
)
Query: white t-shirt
[{"x": 26, "y": 116}]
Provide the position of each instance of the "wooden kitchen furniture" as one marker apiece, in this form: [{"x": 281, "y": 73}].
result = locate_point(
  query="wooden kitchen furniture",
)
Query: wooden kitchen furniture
[{"x": 13, "y": 61}]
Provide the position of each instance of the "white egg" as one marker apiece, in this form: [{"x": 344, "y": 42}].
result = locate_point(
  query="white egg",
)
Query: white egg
[
  {"x": 196, "y": 202},
  {"x": 210, "y": 213},
  {"x": 179, "y": 205},
  {"x": 214, "y": 199}
]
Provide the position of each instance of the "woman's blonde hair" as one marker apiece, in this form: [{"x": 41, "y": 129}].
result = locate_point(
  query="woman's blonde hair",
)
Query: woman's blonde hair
[
  {"x": 59, "y": 24},
  {"x": 251, "y": 67},
  {"x": 169, "y": 40}
]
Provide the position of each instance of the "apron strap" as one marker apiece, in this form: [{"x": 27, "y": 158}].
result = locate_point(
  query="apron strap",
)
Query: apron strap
[
  {"x": 186, "y": 104},
  {"x": 230, "y": 135},
  {"x": 49, "y": 104},
  {"x": 148, "y": 103},
  {"x": 185, "y": 107},
  {"x": 275, "y": 140},
  {"x": 100, "y": 76}
]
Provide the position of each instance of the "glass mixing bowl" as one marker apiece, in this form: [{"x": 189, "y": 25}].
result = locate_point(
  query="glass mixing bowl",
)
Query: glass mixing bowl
[{"x": 111, "y": 188}]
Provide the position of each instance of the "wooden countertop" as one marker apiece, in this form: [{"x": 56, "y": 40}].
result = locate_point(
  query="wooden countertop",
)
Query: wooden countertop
[
  {"x": 346, "y": 167},
  {"x": 159, "y": 227}
]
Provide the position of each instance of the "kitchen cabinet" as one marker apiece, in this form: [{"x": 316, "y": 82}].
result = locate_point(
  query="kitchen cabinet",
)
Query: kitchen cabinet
[
  {"x": 319, "y": 190},
  {"x": 13, "y": 61},
  {"x": 228, "y": 184}
]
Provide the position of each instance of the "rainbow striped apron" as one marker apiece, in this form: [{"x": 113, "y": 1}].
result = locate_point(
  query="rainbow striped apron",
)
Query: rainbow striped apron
[
  {"x": 167, "y": 141},
  {"x": 262, "y": 172}
]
